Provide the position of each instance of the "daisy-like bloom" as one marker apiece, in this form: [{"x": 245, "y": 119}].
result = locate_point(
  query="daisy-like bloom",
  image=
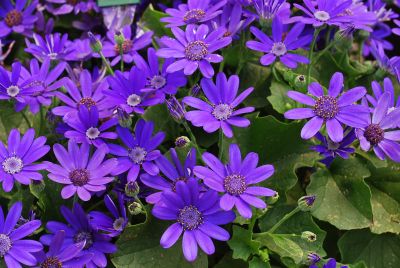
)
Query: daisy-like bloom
[
  {"x": 140, "y": 149},
  {"x": 383, "y": 14},
  {"x": 194, "y": 49},
  {"x": 356, "y": 17},
  {"x": 280, "y": 45},
  {"x": 81, "y": 173},
  {"x": 79, "y": 230},
  {"x": 13, "y": 248},
  {"x": 114, "y": 225},
  {"x": 17, "y": 160},
  {"x": 235, "y": 180},
  {"x": 16, "y": 18},
  {"x": 88, "y": 129},
  {"x": 330, "y": 150},
  {"x": 377, "y": 38},
  {"x": 159, "y": 79},
  {"x": 57, "y": 256},
  {"x": 391, "y": 65},
  {"x": 173, "y": 173},
  {"x": 378, "y": 92},
  {"x": 379, "y": 132},
  {"x": 220, "y": 113},
  {"x": 128, "y": 92},
  {"x": 61, "y": 7},
  {"x": 197, "y": 216},
  {"x": 194, "y": 12},
  {"x": 332, "y": 110},
  {"x": 130, "y": 45},
  {"x": 89, "y": 94},
  {"x": 330, "y": 264},
  {"x": 45, "y": 81},
  {"x": 53, "y": 46},
  {"x": 267, "y": 10}
]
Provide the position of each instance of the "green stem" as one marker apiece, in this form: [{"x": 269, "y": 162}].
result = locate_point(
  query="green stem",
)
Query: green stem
[
  {"x": 311, "y": 54},
  {"x": 109, "y": 69},
  {"x": 41, "y": 121},
  {"x": 220, "y": 144},
  {"x": 26, "y": 119},
  {"x": 192, "y": 137},
  {"x": 121, "y": 53},
  {"x": 75, "y": 200},
  {"x": 285, "y": 218}
]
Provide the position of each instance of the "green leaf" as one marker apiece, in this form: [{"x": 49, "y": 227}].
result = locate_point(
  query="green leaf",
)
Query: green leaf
[
  {"x": 387, "y": 180},
  {"x": 9, "y": 119},
  {"x": 256, "y": 262},
  {"x": 386, "y": 213},
  {"x": 343, "y": 198},
  {"x": 377, "y": 251},
  {"x": 151, "y": 20},
  {"x": 105, "y": 3},
  {"x": 242, "y": 244},
  {"x": 279, "y": 99},
  {"x": 159, "y": 115},
  {"x": 255, "y": 75}
]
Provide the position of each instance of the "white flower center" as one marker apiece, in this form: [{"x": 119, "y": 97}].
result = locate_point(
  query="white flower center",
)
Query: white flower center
[
  {"x": 279, "y": 49},
  {"x": 137, "y": 154},
  {"x": 133, "y": 100},
  {"x": 322, "y": 15},
  {"x": 12, "y": 165},
  {"x": 222, "y": 111},
  {"x": 13, "y": 91},
  {"x": 92, "y": 133}
]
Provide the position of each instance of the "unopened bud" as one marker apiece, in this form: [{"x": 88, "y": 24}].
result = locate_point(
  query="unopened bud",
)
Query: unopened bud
[
  {"x": 306, "y": 203},
  {"x": 195, "y": 90},
  {"x": 135, "y": 208},
  {"x": 182, "y": 141},
  {"x": 176, "y": 108},
  {"x": 309, "y": 236},
  {"x": 273, "y": 199},
  {"x": 95, "y": 43},
  {"x": 132, "y": 189},
  {"x": 119, "y": 39},
  {"x": 124, "y": 119},
  {"x": 312, "y": 258}
]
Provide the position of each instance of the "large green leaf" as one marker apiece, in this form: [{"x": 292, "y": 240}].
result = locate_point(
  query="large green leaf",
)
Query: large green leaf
[
  {"x": 257, "y": 76},
  {"x": 9, "y": 119},
  {"x": 242, "y": 244},
  {"x": 343, "y": 198},
  {"x": 377, "y": 251}
]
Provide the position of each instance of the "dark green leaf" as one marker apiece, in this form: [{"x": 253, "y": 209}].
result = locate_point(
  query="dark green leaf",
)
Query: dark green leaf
[
  {"x": 151, "y": 20},
  {"x": 242, "y": 244},
  {"x": 159, "y": 115}
]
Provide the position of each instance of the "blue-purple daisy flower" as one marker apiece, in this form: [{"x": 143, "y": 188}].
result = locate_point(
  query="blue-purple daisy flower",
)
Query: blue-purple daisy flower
[
  {"x": 220, "y": 112},
  {"x": 196, "y": 215},
  {"x": 378, "y": 91},
  {"x": 53, "y": 46},
  {"x": 330, "y": 264},
  {"x": 267, "y": 10},
  {"x": 61, "y": 7},
  {"x": 17, "y": 160},
  {"x": 17, "y": 17}
]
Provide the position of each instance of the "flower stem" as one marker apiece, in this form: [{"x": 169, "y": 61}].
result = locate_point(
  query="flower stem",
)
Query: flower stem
[
  {"x": 311, "y": 54},
  {"x": 285, "y": 218},
  {"x": 41, "y": 120},
  {"x": 109, "y": 69},
  {"x": 220, "y": 144},
  {"x": 192, "y": 137},
  {"x": 121, "y": 53},
  {"x": 26, "y": 119}
]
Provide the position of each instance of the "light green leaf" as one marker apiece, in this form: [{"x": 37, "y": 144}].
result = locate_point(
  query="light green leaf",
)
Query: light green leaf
[
  {"x": 279, "y": 99},
  {"x": 242, "y": 244}
]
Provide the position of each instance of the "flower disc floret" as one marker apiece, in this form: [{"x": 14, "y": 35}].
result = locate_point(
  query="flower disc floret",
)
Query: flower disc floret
[
  {"x": 13, "y": 18},
  {"x": 374, "y": 134},
  {"x": 196, "y": 50},
  {"x": 79, "y": 177},
  {"x": 84, "y": 236},
  {"x": 51, "y": 262},
  {"x": 5, "y": 244},
  {"x": 235, "y": 184},
  {"x": 137, "y": 154},
  {"x": 222, "y": 111},
  {"x": 13, "y": 91},
  {"x": 158, "y": 81},
  {"x": 87, "y": 101},
  {"x": 190, "y": 217},
  {"x": 92, "y": 133},
  {"x": 126, "y": 46},
  {"x": 12, "y": 165},
  {"x": 322, "y": 15},
  {"x": 134, "y": 100},
  {"x": 326, "y": 107},
  {"x": 279, "y": 49},
  {"x": 194, "y": 15}
]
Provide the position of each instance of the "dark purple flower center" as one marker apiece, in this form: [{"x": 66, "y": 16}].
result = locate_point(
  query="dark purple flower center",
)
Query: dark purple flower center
[
  {"x": 133, "y": 100},
  {"x": 227, "y": 34},
  {"x": 190, "y": 217},
  {"x": 12, "y": 165},
  {"x": 13, "y": 18},
  {"x": 87, "y": 101},
  {"x": 84, "y": 236},
  {"x": 374, "y": 134},
  {"x": 13, "y": 91},
  {"x": 5, "y": 244},
  {"x": 157, "y": 81},
  {"x": 326, "y": 107},
  {"x": 235, "y": 184},
  {"x": 173, "y": 186},
  {"x": 222, "y": 111},
  {"x": 194, "y": 15},
  {"x": 79, "y": 177},
  {"x": 279, "y": 49},
  {"x": 92, "y": 133},
  {"x": 118, "y": 224},
  {"x": 196, "y": 50},
  {"x": 126, "y": 47},
  {"x": 322, "y": 16},
  {"x": 137, "y": 155},
  {"x": 51, "y": 262}
]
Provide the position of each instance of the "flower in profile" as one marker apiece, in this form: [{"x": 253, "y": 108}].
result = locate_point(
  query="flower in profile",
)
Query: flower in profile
[
  {"x": 356, "y": 17},
  {"x": 158, "y": 79},
  {"x": 79, "y": 230},
  {"x": 114, "y": 225},
  {"x": 176, "y": 108},
  {"x": 128, "y": 92},
  {"x": 13, "y": 248},
  {"x": 53, "y": 46},
  {"x": 17, "y": 160},
  {"x": 378, "y": 92},
  {"x": 88, "y": 129},
  {"x": 197, "y": 216},
  {"x": 330, "y": 264},
  {"x": 173, "y": 173},
  {"x": 61, "y": 7},
  {"x": 330, "y": 150},
  {"x": 89, "y": 94},
  {"x": 377, "y": 38},
  {"x": 391, "y": 65},
  {"x": 128, "y": 47},
  {"x": 140, "y": 149},
  {"x": 267, "y": 10},
  {"x": 57, "y": 256},
  {"x": 81, "y": 173},
  {"x": 235, "y": 180},
  {"x": 16, "y": 17},
  {"x": 379, "y": 132},
  {"x": 194, "y": 49},
  {"x": 332, "y": 109},
  {"x": 194, "y": 12},
  {"x": 281, "y": 44},
  {"x": 220, "y": 113}
]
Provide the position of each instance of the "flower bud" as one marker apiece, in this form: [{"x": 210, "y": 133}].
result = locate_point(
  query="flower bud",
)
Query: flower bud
[
  {"x": 306, "y": 203},
  {"x": 182, "y": 141},
  {"x": 273, "y": 199},
  {"x": 309, "y": 236},
  {"x": 95, "y": 43},
  {"x": 195, "y": 90},
  {"x": 132, "y": 189},
  {"x": 312, "y": 258},
  {"x": 124, "y": 119},
  {"x": 119, "y": 39},
  {"x": 176, "y": 108},
  {"x": 135, "y": 208}
]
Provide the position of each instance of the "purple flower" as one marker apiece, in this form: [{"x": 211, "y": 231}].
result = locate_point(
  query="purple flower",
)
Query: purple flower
[
  {"x": 396, "y": 31},
  {"x": 194, "y": 49},
  {"x": 377, "y": 38},
  {"x": 173, "y": 173},
  {"x": 140, "y": 151},
  {"x": 79, "y": 230},
  {"x": 130, "y": 45},
  {"x": 67, "y": 6},
  {"x": 220, "y": 113},
  {"x": 194, "y": 12},
  {"x": 176, "y": 108},
  {"x": 330, "y": 264},
  {"x": 281, "y": 44},
  {"x": 379, "y": 132},
  {"x": 330, "y": 150},
  {"x": 159, "y": 79},
  {"x": 392, "y": 65},
  {"x": 379, "y": 8},
  {"x": 113, "y": 226},
  {"x": 378, "y": 92},
  {"x": 197, "y": 216},
  {"x": 57, "y": 256},
  {"x": 53, "y": 47},
  {"x": 89, "y": 94},
  {"x": 82, "y": 51},
  {"x": 87, "y": 128},
  {"x": 330, "y": 109},
  {"x": 81, "y": 173},
  {"x": 356, "y": 17},
  {"x": 17, "y": 18},
  {"x": 17, "y": 159},
  {"x": 234, "y": 180},
  {"x": 13, "y": 248},
  {"x": 128, "y": 91},
  {"x": 270, "y": 9}
]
